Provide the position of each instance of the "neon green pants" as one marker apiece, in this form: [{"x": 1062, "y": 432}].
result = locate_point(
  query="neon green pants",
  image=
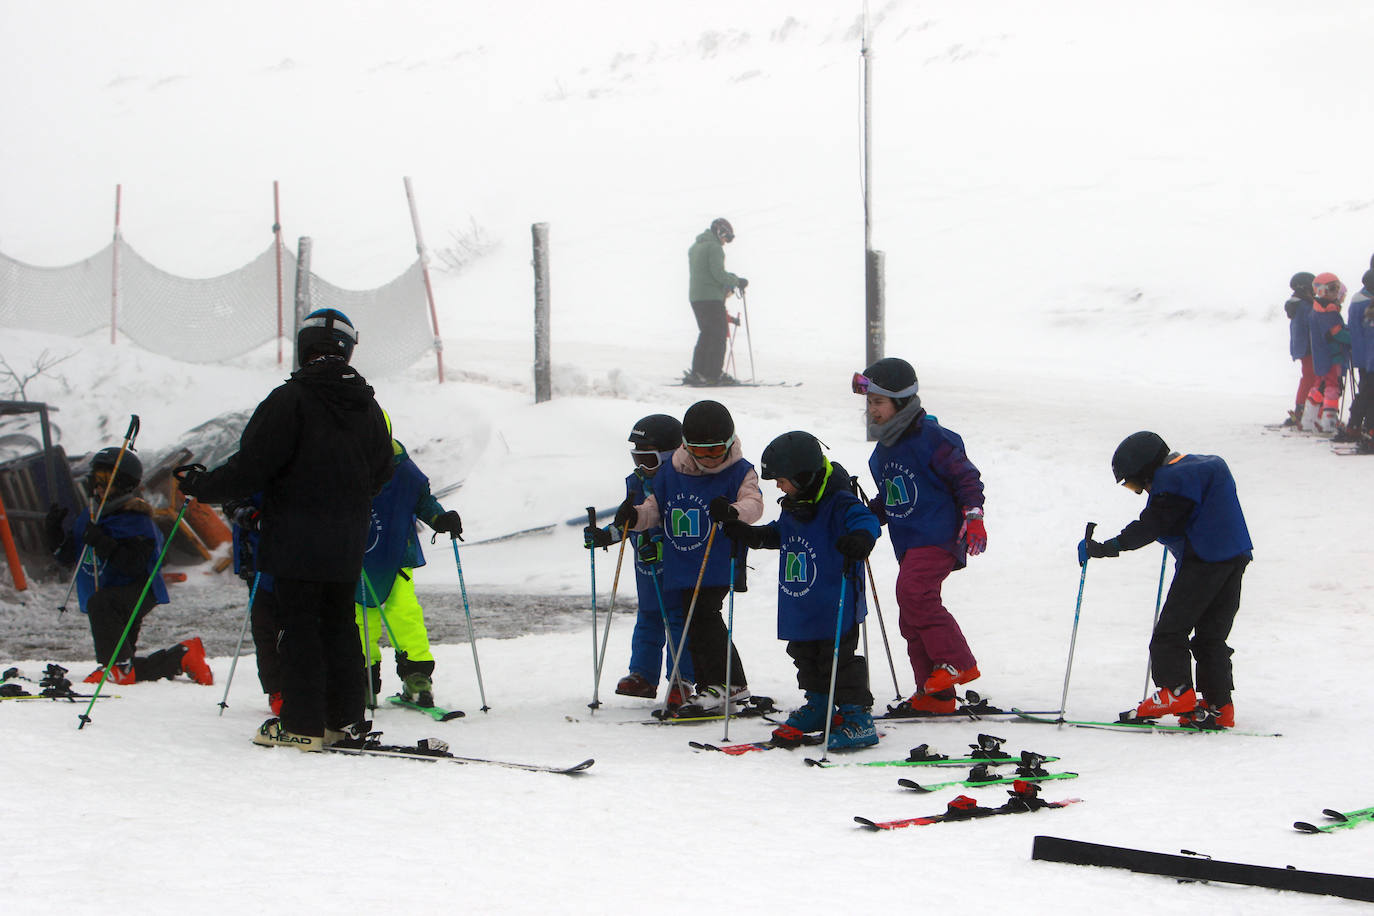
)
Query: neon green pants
[{"x": 404, "y": 626}]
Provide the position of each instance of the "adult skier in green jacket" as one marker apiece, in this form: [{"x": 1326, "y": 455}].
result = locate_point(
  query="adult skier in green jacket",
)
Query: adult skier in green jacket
[{"x": 709, "y": 283}]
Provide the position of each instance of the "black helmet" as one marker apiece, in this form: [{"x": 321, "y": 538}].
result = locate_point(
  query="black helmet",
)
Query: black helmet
[
  {"x": 891, "y": 377},
  {"x": 721, "y": 229},
  {"x": 1368, "y": 279},
  {"x": 795, "y": 456},
  {"x": 1138, "y": 457},
  {"x": 325, "y": 332},
  {"x": 657, "y": 432},
  {"x": 707, "y": 423},
  {"x": 1301, "y": 282},
  {"x": 130, "y": 468}
]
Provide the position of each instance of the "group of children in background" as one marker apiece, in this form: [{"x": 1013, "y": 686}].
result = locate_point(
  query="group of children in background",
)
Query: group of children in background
[
  {"x": 1328, "y": 347},
  {"x": 693, "y": 489}
]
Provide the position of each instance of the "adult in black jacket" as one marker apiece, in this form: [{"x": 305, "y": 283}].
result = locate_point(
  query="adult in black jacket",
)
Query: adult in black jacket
[{"x": 317, "y": 448}]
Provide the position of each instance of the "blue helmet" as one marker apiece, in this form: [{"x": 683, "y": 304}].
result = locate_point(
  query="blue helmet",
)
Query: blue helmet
[{"x": 325, "y": 332}]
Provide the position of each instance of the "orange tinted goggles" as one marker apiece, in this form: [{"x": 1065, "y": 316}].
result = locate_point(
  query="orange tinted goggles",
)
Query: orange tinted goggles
[{"x": 709, "y": 449}]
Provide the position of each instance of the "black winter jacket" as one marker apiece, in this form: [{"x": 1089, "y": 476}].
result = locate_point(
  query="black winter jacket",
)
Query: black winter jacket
[{"x": 318, "y": 449}]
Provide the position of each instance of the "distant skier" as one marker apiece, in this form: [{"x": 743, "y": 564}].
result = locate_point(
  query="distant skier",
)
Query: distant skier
[
  {"x": 124, "y": 547},
  {"x": 930, "y": 496},
  {"x": 1330, "y": 355},
  {"x": 823, "y": 536},
  {"x": 1298, "y": 308},
  {"x": 709, "y": 284},
  {"x": 1194, "y": 511},
  {"x": 653, "y": 440}
]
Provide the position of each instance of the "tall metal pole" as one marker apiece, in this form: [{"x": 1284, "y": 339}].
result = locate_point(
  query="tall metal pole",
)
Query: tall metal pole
[
  {"x": 276, "y": 233},
  {"x": 543, "y": 383},
  {"x": 424, "y": 269},
  {"x": 114, "y": 268},
  {"x": 875, "y": 332},
  {"x": 302, "y": 300}
]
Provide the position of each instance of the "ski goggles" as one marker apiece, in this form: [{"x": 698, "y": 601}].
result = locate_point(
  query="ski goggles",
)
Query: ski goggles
[
  {"x": 709, "y": 449},
  {"x": 862, "y": 384},
  {"x": 648, "y": 459}
]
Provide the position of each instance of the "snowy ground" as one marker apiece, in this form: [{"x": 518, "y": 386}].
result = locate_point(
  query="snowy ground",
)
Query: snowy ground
[{"x": 1090, "y": 216}]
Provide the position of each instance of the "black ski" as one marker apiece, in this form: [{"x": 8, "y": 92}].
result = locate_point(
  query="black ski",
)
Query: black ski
[
  {"x": 1194, "y": 868},
  {"x": 971, "y": 706},
  {"x": 434, "y": 749},
  {"x": 983, "y": 775},
  {"x": 1027, "y": 758},
  {"x": 754, "y": 707},
  {"x": 54, "y": 685}
]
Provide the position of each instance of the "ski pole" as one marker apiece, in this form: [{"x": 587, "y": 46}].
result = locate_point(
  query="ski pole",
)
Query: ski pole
[
  {"x": 85, "y": 717},
  {"x": 467, "y": 612},
  {"x": 129, "y": 436},
  {"x": 877, "y": 607},
  {"x": 610, "y": 611},
  {"x": 749, "y": 338},
  {"x": 834, "y": 665},
  {"x": 233, "y": 666},
  {"x": 1073, "y": 639},
  {"x": 1159, "y": 606},
  {"x": 729, "y": 647},
  {"x": 367, "y": 649},
  {"x": 663, "y": 613},
  {"x": 596, "y": 675},
  {"x": 687, "y": 624}
]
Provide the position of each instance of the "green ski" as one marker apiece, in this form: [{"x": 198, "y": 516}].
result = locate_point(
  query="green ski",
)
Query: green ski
[
  {"x": 437, "y": 713},
  {"x": 981, "y": 775},
  {"x": 1339, "y": 820}
]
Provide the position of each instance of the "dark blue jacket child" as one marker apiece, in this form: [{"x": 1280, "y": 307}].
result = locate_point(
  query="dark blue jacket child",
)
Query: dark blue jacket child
[
  {"x": 1194, "y": 511},
  {"x": 822, "y": 536}
]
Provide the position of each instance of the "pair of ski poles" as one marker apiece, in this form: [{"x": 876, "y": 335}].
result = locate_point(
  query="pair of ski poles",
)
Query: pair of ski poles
[
  {"x": 1077, "y": 610},
  {"x": 731, "y": 324}
]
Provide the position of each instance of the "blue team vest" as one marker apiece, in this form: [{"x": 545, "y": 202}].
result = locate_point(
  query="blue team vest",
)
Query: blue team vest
[
  {"x": 1216, "y": 528},
  {"x": 120, "y": 525},
  {"x": 391, "y": 540},
  {"x": 921, "y": 511},
  {"x": 638, "y": 488},
  {"x": 810, "y": 570},
  {"x": 682, "y": 500}
]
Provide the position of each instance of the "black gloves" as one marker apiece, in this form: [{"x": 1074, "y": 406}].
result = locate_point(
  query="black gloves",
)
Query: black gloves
[
  {"x": 188, "y": 476},
  {"x": 755, "y": 538},
  {"x": 878, "y": 508},
  {"x": 626, "y": 516},
  {"x": 856, "y": 545},
  {"x": 721, "y": 510},
  {"x": 741, "y": 282},
  {"x": 98, "y": 540},
  {"x": 449, "y": 523},
  {"x": 1097, "y": 549},
  {"x": 53, "y": 533},
  {"x": 248, "y": 518},
  {"x": 593, "y": 537}
]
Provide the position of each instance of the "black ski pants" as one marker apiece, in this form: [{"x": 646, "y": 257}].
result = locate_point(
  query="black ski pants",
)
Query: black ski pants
[
  {"x": 708, "y": 359},
  {"x": 1362, "y": 405},
  {"x": 1203, "y": 600},
  {"x": 266, "y": 631},
  {"x": 708, "y": 639},
  {"x": 323, "y": 682},
  {"x": 813, "y": 657},
  {"x": 108, "y": 612}
]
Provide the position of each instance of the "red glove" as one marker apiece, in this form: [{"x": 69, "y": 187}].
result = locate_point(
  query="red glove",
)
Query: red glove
[{"x": 973, "y": 533}]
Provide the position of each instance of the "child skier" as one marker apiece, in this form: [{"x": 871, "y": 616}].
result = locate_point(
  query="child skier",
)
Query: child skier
[
  {"x": 706, "y": 483},
  {"x": 1330, "y": 355},
  {"x": 653, "y": 440},
  {"x": 123, "y": 551},
  {"x": 1361, "y": 328},
  {"x": 1298, "y": 308},
  {"x": 930, "y": 496},
  {"x": 1194, "y": 511},
  {"x": 246, "y": 516},
  {"x": 393, "y": 553},
  {"x": 823, "y": 536}
]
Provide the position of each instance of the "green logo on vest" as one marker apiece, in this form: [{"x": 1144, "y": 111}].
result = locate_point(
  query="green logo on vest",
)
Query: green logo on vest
[
  {"x": 795, "y": 567},
  {"x": 685, "y": 523},
  {"x": 895, "y": 488}
]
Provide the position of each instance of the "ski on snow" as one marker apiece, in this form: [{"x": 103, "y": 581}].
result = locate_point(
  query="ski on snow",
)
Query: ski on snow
[
  {"x": 434, "y": 749},
  {"x": 1193, "y": 867},
  {"x": 1139, "y": 725},
  {"x": 1027, "y": 759},
  {"x": 981, "y": 775},
  {"x": 754, "y": 707},
  {"x": 1338, "y": 820},
  {"x": 736, "y": 750},
  {"x": 971, "y": 706},
  {"x": 54, "y": 685},
  {"x": 437, "y": 713},
  {"x": 1024, "y": 799}
]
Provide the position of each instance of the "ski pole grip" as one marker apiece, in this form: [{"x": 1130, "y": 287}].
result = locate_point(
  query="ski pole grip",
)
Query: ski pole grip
[
  {"x": 132, "y": 431},
  {"x": 591, "y": 516},
  {"x": 1088, "y": 533}
]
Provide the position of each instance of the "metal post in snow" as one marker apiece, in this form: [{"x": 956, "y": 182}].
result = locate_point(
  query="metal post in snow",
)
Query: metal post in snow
[
  {"x": 114, "y": 268},
  {"x": 302, "y": 302},
  {"x": 543, "y": 384},
  {"x": 424, "y": 270}
]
